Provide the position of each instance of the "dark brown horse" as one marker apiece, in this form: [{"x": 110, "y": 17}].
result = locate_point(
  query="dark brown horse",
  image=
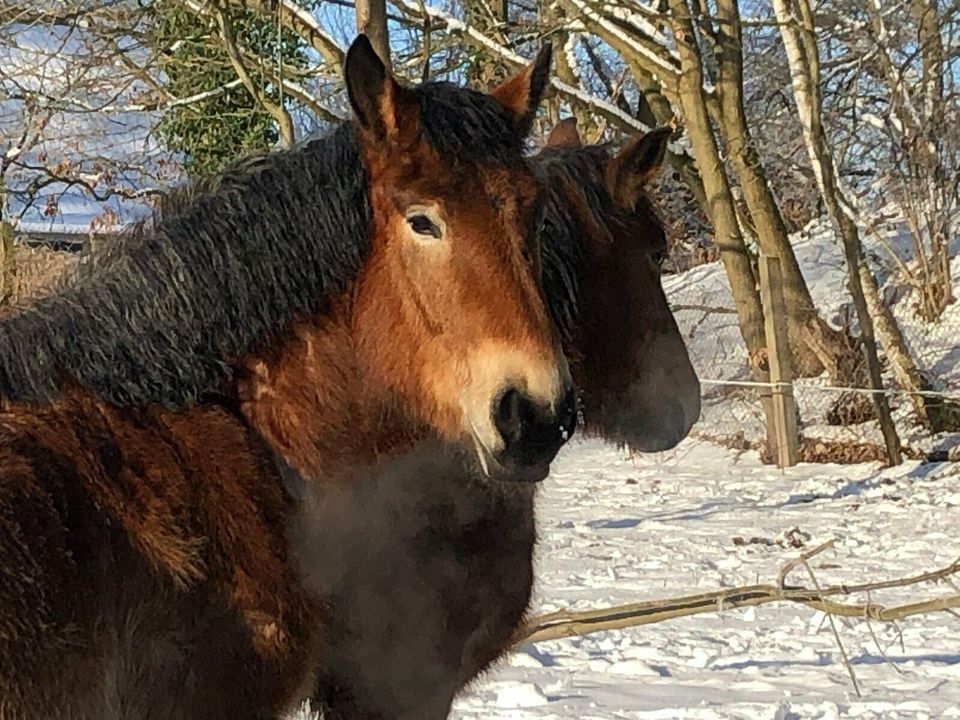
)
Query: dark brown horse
[
  {"x": 296, "y": 316},
  {"x": 604, "y": 245},
  {"x": 463, "y": 546}
]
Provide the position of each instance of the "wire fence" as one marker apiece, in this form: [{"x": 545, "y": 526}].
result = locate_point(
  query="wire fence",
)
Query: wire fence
[{"x": 733, "y": 409}]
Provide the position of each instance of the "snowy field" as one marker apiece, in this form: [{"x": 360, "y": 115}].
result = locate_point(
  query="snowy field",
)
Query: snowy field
[
  {"x": 706, "y": 318},
  {"x": 616, "y": 530}
]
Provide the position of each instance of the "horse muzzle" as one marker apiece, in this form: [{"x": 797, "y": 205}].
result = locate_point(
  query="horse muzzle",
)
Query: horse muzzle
[{"x": 530, "y": 434}]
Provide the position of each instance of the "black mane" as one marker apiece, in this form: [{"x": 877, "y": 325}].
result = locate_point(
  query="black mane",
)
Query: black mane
[
  {"x": 570, "y": 172},
  {"x": 163, "y": 314}
]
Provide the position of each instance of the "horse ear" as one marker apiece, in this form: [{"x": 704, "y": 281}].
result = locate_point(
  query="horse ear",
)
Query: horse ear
[
  {"x": 565, "y": 133},
  {"x": 521, "y": 94},
  {"x": 635, "y": 165},
  {"x": 380, "y": 104}
]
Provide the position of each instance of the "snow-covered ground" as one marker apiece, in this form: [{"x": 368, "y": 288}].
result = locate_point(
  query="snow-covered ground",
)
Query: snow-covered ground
[
  {"x": 617, "y": 530},
  {"x": 704, "y": 310}
]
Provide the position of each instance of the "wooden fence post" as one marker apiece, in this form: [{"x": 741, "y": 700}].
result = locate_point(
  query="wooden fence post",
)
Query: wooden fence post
[{"x": 784, "y": 434}]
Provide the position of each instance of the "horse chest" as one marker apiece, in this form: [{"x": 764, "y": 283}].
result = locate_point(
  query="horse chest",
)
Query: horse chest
[{"x": 427, "y": 574}]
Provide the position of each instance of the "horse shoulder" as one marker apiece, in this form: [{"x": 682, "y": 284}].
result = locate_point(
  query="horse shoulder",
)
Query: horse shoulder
[
  {"x": 244, "y": 510},
  {"x": 192, "y": 493}
]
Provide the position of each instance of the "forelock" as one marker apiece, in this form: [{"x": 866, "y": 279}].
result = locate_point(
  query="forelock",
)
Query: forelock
[{"x": 467, "y": 127}]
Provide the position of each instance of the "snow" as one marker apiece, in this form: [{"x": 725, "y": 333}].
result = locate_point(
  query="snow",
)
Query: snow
[
  {"x": 617, "y": 530},
  {"x": 664, "y": 67},
  {"x": 703, "y": 306}
]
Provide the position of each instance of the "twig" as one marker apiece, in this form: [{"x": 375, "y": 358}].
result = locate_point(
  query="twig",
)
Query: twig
[
  {"x": 427, "y": 30},
  {"x": 277, "y": 111},
  {"x": 833, "y": 625},
  {"x": 802, "y": 558},
  {"x": 876, "y": 641}
]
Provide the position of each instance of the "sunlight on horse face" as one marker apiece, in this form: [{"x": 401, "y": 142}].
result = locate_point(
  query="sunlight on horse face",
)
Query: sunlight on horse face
[
  {"x": 455, "y": 273},
  {"x": 637, "y": 383}
]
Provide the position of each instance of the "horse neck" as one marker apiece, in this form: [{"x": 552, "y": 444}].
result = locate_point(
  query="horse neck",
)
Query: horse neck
[{"x": 313, "y": 402}]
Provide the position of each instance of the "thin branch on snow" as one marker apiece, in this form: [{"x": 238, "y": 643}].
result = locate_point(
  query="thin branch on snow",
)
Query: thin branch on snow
[{"x": 566, "y": 623}]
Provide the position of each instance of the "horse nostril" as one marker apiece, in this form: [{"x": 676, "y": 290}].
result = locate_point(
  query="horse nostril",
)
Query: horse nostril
[
  {"x": 511, "y": 413},
  {"x": 532, "y": 434}
]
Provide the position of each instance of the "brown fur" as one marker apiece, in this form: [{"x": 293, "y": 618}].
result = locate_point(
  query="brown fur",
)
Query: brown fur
[
  {"x": 146, "y": 568},
  {"x": 427, "y": 569},
  {"x": 91, "y": 495},
  {"x": 636, "y": 384},
  {"x": 392, "y": 343}
]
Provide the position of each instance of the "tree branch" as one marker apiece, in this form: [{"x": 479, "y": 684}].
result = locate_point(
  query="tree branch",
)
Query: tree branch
[
  {"x": 302, "y": 23},
  {"x": 277, "y": 111},
  {"x": 564, "y": 623}
]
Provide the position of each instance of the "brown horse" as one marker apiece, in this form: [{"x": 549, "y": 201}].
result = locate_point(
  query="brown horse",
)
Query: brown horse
[
  {"x": 604, "y": 245},
  {"x": 463, "y": 546},
  {"x": 301, "y": 313}
]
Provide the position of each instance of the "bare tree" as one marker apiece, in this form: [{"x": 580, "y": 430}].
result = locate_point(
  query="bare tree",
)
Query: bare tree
[
  {"x": 733, "y": 250},
  {"x": 621, "y": 67},
  {"x": 894, "y": 128},
  {"x": 70, "y": 117},
  {"x": 642, "y": 35},
  {"x": 814, "y": 344},
  {"x": 799, "y": 37},
  {"x": 920, "y": 128}
]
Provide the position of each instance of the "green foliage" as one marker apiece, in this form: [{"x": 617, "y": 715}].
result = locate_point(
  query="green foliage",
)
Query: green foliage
[{"x": 211, "y": 133}]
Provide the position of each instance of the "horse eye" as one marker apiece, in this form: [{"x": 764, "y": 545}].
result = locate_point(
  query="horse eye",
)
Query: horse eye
[{"x": 422, "y": 225}]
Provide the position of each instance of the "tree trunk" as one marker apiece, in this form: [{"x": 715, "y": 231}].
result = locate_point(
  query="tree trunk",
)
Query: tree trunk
[
  {"x": 809, "y": 335},
  {"x": 920, "y": 141},
  {"x": 935, "y": 413},
  {"x": 720, "y": 205},
  {"x": 372, "y": 21},
  {"x": 6, "y": 262},
  {"x": 554, "y": 16},
  {"x": 489, "y": 17},
  {"x": 804, "y": 59},
  {"x": 916, "y": 106},
  {"x": 931, "y": 53},
  {"x": 929, "y": 147},
  {"x": 658, "y": 111}
]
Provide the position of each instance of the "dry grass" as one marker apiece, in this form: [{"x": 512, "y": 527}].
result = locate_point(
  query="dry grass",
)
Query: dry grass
[{"x": 34, "y": 272}]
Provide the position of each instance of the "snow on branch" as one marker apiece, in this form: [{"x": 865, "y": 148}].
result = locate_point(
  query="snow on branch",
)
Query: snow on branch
[
  {"x": 652, "y": 53},
  {"x": 607, "y": 110},
  {"x": 299, "y": 21},
  {"x": 634, "y": 14}
]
